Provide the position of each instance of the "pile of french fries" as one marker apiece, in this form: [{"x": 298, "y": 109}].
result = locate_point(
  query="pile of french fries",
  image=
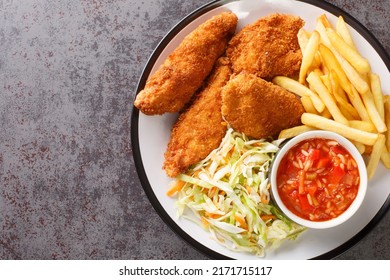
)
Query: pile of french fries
[{"x": 339, "y": 92}]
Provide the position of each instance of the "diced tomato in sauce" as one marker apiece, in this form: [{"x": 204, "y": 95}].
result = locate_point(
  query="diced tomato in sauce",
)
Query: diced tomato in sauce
[{"x": 318, "y": 179}]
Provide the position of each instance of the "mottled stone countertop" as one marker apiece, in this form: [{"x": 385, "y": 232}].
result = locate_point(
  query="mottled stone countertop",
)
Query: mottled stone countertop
[{"x": 68, "y": 73}]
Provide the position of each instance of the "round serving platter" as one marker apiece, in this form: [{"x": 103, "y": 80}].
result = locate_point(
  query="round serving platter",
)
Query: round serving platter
[{"x": 150, "y": 135}]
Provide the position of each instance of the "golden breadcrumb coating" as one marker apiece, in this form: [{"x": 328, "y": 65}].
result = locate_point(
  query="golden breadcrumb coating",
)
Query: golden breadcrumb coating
[
  {"x": 258, "y": 108},
  {"x": 183, "y": 72},
  {"x": 200, "y": 128},
  {"x": 268, "y": 47}
]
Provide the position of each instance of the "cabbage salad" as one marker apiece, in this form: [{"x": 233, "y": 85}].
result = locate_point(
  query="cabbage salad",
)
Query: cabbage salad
[{"x": 229, "y": 194}]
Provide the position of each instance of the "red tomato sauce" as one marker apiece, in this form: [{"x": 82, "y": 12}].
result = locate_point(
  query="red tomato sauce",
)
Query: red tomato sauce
[{"x": 318, "y": 179}]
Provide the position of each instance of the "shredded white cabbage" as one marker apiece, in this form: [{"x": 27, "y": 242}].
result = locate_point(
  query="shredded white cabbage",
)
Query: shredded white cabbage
[{"x": 229, "y": 192}]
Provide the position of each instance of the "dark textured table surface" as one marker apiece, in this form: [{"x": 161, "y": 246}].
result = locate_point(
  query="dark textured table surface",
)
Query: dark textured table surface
[{"x": 68, "y": 73}]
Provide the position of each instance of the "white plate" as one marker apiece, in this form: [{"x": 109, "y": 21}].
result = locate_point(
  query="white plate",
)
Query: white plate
[{"x": 150, "y": 135}]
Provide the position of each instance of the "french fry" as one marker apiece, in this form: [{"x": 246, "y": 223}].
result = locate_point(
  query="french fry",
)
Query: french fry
[
  {"x": 341, "y": 97},
  {"x": 353, "y": 134},
  {"x": 294, "y": 131},
  {"x": 377, "y": 150},
  {"x": 319, "y": 72},
  {"x": 345, "y": 112},
  {"x": 368, "y": 150},
  {"x": 358, "y": 104},
  {"x": 320, "y": 28},
  {"x": 303, "y": 39},
  {"x": 385, "y": 157},
  {"x": 308, "y": 55},
  {"x": 360, "y": 147},
  {"x": 308, "y": 105},
  {"x": 353, "y": 76},
  {"x": 315, "y": 81},
  {"x": 343, "y": 68},
  {"x": 346, "y": 107},
  {"x": 362, "y": 125},
  {"x": 386, "y": 101},
  {"x": 343, "y": 31},
  {"x": 350, "y": 54},
  {"x": 317, "y": 62},
  {"x": 337, "y": 89},
  {"x": 324, "y": 20},
  {"x": 326, "y": 114},
  {"x": 354, "y": 104},
  {"x": 332, "y": 63},
  {"x": 376, "y": 119},
  {"x": 299, "y": 89},
  {"x": 376, "y": 90},
  {"x": 326, "y": 81}
]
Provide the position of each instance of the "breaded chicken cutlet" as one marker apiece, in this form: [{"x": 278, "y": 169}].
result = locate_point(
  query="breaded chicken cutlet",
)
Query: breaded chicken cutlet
[
  {"x": 258, "y": 108},
  {"x": 183, "y": 72},
  {"x": 268, "y": 47},
  {"x": 200, "y": 128}
]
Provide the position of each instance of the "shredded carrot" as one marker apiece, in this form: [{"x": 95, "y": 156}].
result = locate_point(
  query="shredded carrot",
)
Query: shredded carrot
[
  {"x": 257, "y": 144},
  {"x": 231, "y": 151},
  {"x": 264, "y": 200},
  {"x": 267, "y": 217},
  {"x": 177, "y": 186},
  {"x": 205, "y": 222},
  {"x": 212, "y": 215},
  {"x": 241, "y": 221},
  {"x": 212, "y": 191}
]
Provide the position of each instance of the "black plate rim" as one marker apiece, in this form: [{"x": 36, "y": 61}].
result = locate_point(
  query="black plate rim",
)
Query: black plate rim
[{"x": 135, "y": 117}]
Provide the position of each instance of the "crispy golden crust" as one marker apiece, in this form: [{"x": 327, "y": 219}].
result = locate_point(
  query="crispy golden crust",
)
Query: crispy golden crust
[
  {"x": 183, "y": 72},
  {"x": 259, "y": 108},
  {"x": 268, "y": 47},
  {"x": 200, "y": 128}
]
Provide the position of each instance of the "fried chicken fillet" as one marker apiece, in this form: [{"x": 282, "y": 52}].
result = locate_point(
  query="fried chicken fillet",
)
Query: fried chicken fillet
[
  {"x": 268, "y": 47},
  {"x": 258, "y": 108},
  {"x": 200, "y": 128},
  {"x": 184, "y": 70}
]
